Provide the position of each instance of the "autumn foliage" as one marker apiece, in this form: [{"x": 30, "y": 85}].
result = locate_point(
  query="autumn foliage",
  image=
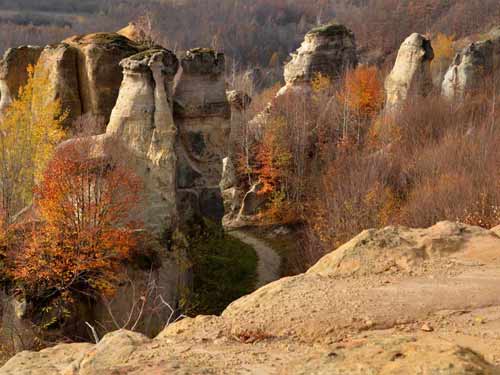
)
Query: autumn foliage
[
  {"x": 85, "y": 231},
  {"x": 362, "y": 91},
  {"x": 30, "y": 129}
]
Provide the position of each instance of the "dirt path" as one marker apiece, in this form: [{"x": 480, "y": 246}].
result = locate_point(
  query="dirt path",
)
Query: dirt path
[{"x": 268, "y": 269}]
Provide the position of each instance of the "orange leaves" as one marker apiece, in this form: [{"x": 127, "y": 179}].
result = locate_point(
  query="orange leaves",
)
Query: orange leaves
[
  {"x": 85, "y": 206},
  {"x": 273, "y": 157},
  {"x": 362, "y": 91}
]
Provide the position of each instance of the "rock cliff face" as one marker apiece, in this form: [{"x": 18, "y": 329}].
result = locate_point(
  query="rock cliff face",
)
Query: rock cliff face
[
  {"x": 60, "y": 63},
  {"x": 390, "y": 301},
  {"x": 99, "y": 72},
  {"x": 203, "y": 116},
  {"x": 84, "y": 70},
  {"x": 471, "y": 67},
  {"x": 411, "y": 72}
]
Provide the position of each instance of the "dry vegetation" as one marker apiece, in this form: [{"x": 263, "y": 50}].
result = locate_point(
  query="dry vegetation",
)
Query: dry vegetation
[{"x": 340, "y": 165}]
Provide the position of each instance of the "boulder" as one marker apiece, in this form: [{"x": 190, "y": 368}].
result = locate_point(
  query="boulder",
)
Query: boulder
[
  {"x": 115, "y": 347},
  {"x": 411, "y": 72},
  {"x": 203, "y": 116},
  {"x": 60, "y": 63},
  {"x": 14, "y": 71},
  {"x": 99, "y": 71}
]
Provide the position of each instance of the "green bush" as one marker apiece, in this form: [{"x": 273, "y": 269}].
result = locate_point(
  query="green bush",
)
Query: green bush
[{"x": 223, "y": 269}]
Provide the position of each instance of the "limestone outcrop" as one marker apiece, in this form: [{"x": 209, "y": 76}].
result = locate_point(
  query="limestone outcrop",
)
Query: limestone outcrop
[
  {"x": 411, "y": 72},
  {"x": 239, "y": 102},
  {"x": 203, "y": 116},
  {"x": 391, "y": 301},
  {"x": 174, "y": 139},
  {"x": 14, "y": 73},
  {"x": 471, "y": 67}
]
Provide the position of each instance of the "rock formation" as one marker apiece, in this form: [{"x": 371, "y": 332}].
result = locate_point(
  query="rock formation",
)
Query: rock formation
[
  {"x": 203, "y": 116},
  {"x": 143, "y": 112},
  {"x": 232, "y": 195},
  {"x": 60, "y": 63},
  {"x": 327, "y": 50},
  {"x": 141, "y": 133},
  {"x": 14, "y": 73},
  {"x": 142, "y": 122},
  {"x": 99, "y": 72},
  {"x": 471, "y": 67},
  {"x": 411, "y": 72},
  {"x": 84, "y": 71},
  {"x": 239, "y": 102},
  {"x": 390, "y": 301}
]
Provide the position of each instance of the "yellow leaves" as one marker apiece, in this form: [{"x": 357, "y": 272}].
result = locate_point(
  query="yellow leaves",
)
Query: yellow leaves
[
  {"x": 443, "y": 53},
  {"x": 442, "y": 45},
  {"x": 29, "y": 132},
  {"x": 320, "y": 83}
]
